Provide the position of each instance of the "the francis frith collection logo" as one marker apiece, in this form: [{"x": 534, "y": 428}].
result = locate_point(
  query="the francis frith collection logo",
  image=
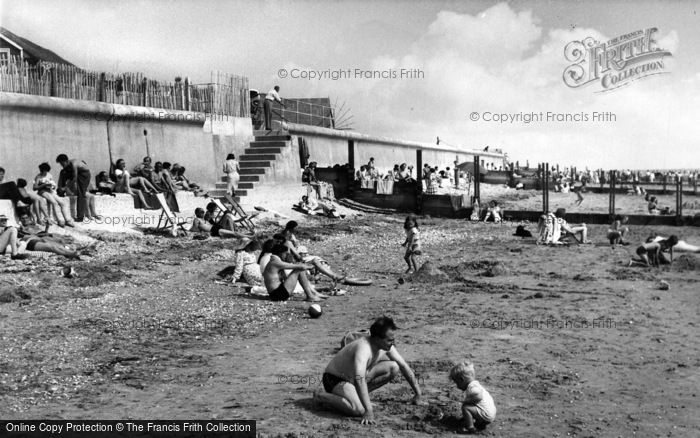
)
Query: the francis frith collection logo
[{"x": 614, "y": 63}]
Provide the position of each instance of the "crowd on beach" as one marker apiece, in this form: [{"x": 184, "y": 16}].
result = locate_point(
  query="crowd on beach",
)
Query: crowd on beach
[{"x": 46, "y": 201}]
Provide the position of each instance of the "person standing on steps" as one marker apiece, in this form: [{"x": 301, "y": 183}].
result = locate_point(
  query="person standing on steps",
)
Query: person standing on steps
[
  {"x": 232, "y": 169},
  {"x": 272, "y": 95}
]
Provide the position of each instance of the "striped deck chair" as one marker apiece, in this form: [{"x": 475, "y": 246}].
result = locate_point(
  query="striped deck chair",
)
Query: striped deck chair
[
  {"x": 167, "y": 217},
  {"x": 243, "y": 217}
]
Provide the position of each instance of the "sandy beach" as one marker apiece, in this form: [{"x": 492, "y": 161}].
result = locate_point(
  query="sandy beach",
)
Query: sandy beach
[{"x": 569, "y": 341}]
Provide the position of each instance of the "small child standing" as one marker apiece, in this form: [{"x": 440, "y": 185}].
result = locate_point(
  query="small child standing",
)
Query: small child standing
[
  {"x": 412, "y": 243},
  {"x": 478, "y": 407}
]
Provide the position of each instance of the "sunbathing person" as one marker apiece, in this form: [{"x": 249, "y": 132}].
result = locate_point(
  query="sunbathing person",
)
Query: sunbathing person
[
  {"x": 279, "y": 284},
  {"x": 618, "y": 230},
  {"x": 652, "y": 252},
  {"x": 201, "y": 225},
  {"x": 182, "y": 182},
  {"x": 582, "y": 229},
  {"x": 134, "y": 186},
  {"x": 39, "y": 239},
  {"x": 8, "y": 236},
  {"x": 292, "y": 244},
  {"x": 144, "y": 169}
]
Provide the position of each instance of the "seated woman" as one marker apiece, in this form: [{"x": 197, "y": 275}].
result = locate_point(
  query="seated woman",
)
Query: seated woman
[
  {"x": 135, "y": 186},
  {"x": 104, "y": 183},
  {"x": 164, "y": 184},
  {"x": 404, "y": 174},
  {"x": 572, "y": 230},
  {"x": 8, "y": 237},
  {"x": 38, "y": 207},
  {"x": 246, "y": 264},
  {"x": 618, "y": 230},
  {"x": 202, "y": 225},
  {"x": 182, "y": 182},
  {"x": 45, "y": 186},
  {"x": 292, "y": 243},
  {"x": 493, "y": 211}
]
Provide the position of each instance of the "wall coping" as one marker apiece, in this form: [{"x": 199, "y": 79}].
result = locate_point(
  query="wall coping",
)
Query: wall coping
[
  {"x": 98, "y": 111},
  {"x": 295, "y": 128}
]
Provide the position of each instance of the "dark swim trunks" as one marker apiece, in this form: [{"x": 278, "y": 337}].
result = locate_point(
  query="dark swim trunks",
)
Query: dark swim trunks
[
  {"x": 215, "y": 230},
  {"x": 31, "y": 244},
  {"x": 330, "y": 381},
  {"x": 279, "y": 294}
]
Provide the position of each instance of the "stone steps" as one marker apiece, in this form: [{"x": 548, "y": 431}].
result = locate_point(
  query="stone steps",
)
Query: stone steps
[{"x": 255, "y": 161}]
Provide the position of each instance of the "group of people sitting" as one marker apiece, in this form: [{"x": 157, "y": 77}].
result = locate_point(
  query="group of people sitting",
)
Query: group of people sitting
[
  {"x": 553, "y": 229},
  {"x": 145, "y": 180},
  {"x": 46, "y": 200},
  {"x": 400, "y": 172},
  {"x": 281, "y": 266}
]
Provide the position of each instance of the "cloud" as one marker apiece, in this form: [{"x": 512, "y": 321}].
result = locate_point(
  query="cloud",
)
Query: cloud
[{"x": 502, "y": 61}]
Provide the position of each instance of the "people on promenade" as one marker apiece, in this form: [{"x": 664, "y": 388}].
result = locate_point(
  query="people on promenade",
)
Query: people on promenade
[{"x": 270, "y": 97}]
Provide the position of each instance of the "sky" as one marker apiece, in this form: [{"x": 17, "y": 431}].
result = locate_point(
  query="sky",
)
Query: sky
[{"x": 467, "y": 57}]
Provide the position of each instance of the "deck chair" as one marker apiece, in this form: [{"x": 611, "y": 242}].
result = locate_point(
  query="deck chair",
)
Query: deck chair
[
  {"x": 244, "y": 218},
  {"x": 167, "y": 217}
]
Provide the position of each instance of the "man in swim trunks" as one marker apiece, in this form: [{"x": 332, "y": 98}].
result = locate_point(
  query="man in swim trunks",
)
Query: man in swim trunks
[
  {"x": 364, "y": 365},
  {"x": 280, "y": 285}
]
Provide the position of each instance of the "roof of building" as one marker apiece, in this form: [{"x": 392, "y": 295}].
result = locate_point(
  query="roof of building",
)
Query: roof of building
[{"x": 32, "y": 49}]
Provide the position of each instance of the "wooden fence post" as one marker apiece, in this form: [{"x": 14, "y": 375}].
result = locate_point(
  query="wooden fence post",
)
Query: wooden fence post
[
  {"x": 419, "y": 179},
  {"x": 188, "y": 95},
  {"x": 477, "y": 177}
]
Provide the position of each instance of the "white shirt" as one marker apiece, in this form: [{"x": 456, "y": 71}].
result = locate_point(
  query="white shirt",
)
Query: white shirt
[
  {"x": 486, "y": 407},
  {"x": 273, "y": 95}
]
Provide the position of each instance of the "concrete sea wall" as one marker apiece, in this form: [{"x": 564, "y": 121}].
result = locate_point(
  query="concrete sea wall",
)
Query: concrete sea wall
[{"x": 34, "y": 129}]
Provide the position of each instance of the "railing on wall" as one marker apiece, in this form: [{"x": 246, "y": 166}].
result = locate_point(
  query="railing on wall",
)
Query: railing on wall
[
  {"x": 226, "y": 94},
  {"x": 305, "y": 113}
]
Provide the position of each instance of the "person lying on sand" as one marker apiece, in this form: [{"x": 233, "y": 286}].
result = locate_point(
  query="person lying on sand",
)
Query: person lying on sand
[
  {"x": 362, "y": 366},
  {"x": 680, "y": 246},
  {"x": 38, "y": 239},
  {"x": 653, "y": 251},
  {"x": 280, "y": 285}
]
